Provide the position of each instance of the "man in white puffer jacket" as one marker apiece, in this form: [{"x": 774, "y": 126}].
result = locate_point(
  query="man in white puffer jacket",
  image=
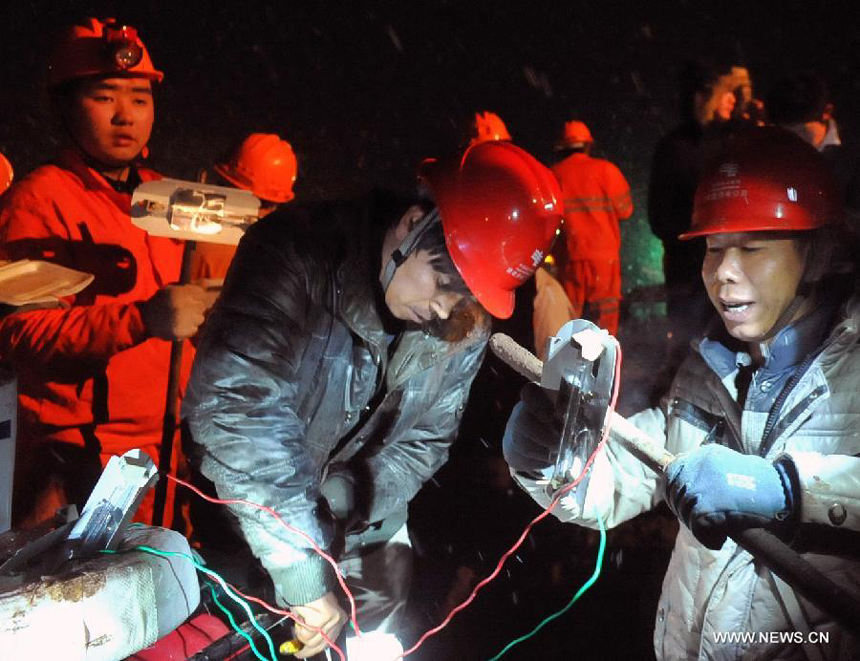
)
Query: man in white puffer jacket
[{"x": 764, "y": 416}]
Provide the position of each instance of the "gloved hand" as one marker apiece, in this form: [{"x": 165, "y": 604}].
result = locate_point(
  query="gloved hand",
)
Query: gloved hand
[
  {"x": 530, "y": 443},
  {"x": 716, "y": 491}
]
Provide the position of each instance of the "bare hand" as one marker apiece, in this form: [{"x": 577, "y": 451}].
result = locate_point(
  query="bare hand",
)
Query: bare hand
[
  {"x": 212, "y": 289},
  {"x": 323, "y": 613},
  {"x": 175, "y": 312}
]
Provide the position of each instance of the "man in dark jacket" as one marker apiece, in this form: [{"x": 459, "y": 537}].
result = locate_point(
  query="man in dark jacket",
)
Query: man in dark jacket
[
  {"x": 334, "y": 370},
  {"x": 713, "y": 97}
]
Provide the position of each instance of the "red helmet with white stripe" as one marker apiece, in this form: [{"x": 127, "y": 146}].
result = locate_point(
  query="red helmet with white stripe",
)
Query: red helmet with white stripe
[{"x": 767, "y": 180}]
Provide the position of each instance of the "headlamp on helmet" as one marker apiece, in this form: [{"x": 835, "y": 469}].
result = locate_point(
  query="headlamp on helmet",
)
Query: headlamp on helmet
[
  {"x": 100, "y": 48},
  {"x": 122, "y": 45}
]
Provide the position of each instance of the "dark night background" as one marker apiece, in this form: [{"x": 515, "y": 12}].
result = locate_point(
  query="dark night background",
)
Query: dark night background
[{"x": 364, "y": 91}]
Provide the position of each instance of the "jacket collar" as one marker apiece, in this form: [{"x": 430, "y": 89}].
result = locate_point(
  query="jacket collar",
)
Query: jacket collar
[
  {"x": 790, "y": 346},
  {"x": 71, "y": 159},
  {"x": 357, "y": 285},
  {"x": 846, "y": 332}
]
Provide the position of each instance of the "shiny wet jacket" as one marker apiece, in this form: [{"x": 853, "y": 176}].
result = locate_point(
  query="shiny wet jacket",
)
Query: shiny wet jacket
[{"x": 296, "y": 378}]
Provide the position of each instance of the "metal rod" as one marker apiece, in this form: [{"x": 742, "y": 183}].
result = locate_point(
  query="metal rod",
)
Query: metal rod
[{"x": 171, "y": 406}]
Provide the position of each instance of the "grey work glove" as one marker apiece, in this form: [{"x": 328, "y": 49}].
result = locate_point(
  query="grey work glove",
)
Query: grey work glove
[{"x": 531, "y": 439}]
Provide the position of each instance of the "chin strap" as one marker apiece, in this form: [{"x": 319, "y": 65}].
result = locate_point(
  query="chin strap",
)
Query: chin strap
[
  {"x": 783, "y": 320},
  {"x": 406, "y": 247}
]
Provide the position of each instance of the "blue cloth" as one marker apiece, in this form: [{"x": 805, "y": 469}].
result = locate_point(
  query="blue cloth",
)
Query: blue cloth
[
  {"x": 716, "y": 491},
  {"x": 784, "y": 354}
]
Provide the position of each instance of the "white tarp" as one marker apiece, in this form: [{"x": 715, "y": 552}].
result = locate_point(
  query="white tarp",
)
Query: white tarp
[{"x": 107, "y": 608}]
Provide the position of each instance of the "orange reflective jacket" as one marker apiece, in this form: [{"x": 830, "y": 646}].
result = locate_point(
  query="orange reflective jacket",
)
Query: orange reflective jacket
[
  {"x": 88, "y": 375},
  {"x": 596, "y": 196}
]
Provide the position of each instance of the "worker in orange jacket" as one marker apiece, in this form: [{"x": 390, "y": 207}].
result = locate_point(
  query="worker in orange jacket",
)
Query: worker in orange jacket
[
  {"x": 488, "y": 126},
  {"x": 92, "y": 373},
  {"x": 263, "y": 164},
  {"x": 596, "y": 196}
]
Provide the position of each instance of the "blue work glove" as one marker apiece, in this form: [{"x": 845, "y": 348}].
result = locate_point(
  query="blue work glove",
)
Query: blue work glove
[
  {"x": 530, "y": 443},
  {"x": 716, "y": 491}
]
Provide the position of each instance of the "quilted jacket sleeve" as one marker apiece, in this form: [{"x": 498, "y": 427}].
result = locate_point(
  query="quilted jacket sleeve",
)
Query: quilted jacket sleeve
[
  {"x": 241, "y": 408},
  {"x": 621, "y": 486},
  {"x": 830, "y": 489}
]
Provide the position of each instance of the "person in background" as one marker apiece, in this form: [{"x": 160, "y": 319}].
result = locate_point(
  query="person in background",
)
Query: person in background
[
  {"x": 92, "y": 374},
  {"x": 801, "y": 103},
  {"x": 760, "y": 417},
  {"x": 710, "y": 114},
  {"x": 596, "y": 196},
  {"x": 488, "y": 126},
  {"x": 265, "y": 165}
]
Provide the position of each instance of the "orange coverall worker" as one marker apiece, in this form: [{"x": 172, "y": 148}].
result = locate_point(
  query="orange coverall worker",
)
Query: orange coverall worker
[
  {"x": 91, "y": 382},
  {"x": 596, "y": 196},
  {"x": 210, "y": 261}
]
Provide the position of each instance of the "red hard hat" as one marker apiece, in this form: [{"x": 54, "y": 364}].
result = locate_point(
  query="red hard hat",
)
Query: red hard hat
[
  {"x": 100, "y": 48},
  {"x": 501, "y": 210},
  {"x": 576, "y": 134},
  {"x": 6, "y": 174},
  {"x": 263, "y": 164},
  {"x": 767, "y": 180},
  {"x": 489, "y": 126}
]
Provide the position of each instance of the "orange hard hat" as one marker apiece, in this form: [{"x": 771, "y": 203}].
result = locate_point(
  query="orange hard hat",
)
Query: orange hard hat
[
  {"x": 489, "y": 126},
  {"x": 767, "y": 180},
  {"x": 263, "y": 164},
  {"x": 501, "y": 210},
  {"x": 100, "y": 48},
  {"x": 575, "y": 135},
  {"x": 6, "y": 173}
]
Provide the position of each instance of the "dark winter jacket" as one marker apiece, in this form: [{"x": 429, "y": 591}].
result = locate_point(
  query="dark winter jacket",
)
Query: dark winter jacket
[
  {"x": 296, "y": 378},
  {"x": 679, "y": 160}
]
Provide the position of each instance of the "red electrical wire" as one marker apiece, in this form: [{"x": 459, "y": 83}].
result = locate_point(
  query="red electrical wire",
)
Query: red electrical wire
[
  {"x": 323, "y": 554},
  {"x": 534, "y": 521}
]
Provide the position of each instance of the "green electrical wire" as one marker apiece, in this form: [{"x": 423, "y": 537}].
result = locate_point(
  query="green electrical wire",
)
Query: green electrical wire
[
  {"x": 578, "y": 594},
  {"x": 224, "y": 586},
  {"x": 233, "y": 624}
]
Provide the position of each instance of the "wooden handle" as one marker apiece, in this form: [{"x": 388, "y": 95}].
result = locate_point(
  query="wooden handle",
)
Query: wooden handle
[{"x": 526, "y": 363}]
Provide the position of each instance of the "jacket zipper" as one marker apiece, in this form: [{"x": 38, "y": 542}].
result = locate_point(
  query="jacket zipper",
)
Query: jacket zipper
[{"x": 775, "y": 410}]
